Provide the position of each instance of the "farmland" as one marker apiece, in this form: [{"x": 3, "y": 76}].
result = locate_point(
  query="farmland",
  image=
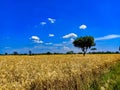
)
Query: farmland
[{"x": 53, "y": 72}]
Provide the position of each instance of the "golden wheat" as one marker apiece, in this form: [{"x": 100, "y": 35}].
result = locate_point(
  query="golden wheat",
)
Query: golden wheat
[{"x": 50, "y": 72}]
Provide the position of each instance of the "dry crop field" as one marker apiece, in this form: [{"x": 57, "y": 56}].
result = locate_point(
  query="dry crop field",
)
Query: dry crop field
[{"x": 52, "y": 72}]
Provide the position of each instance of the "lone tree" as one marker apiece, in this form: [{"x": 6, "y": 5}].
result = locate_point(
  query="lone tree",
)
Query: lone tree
[{"x": 84, "y": 43}]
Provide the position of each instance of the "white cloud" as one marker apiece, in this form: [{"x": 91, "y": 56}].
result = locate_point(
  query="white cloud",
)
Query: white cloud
[
  {"x": 52, "y": 20},
  {"x": 66, "y": 48},
  {"x": 64, "y": 42},
  {"x": 72, "y": 39},
  {"x": 58, "y": 45},
  {"x": 36, "y": 39},
  {"x": 83, "y": 27},
  {"x": 43, "y": 23},
  {"x": 112, "y": 36},
  {"x": 51, "y": 35},
  {"x": 71, "y": 35},
  {"x": 49, "y": 43}
]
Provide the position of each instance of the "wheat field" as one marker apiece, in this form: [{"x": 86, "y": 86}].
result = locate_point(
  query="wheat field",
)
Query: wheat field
[{"x": 52, "y": 72}]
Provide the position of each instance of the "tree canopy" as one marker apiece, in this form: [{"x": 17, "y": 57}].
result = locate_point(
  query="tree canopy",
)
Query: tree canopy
[{"x": 84, "y": 43}]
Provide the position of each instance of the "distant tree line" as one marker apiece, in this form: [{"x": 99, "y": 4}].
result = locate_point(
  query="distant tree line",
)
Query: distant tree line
[
  {"x": 93, "y": 52},
  {"x": 30, "y": 53},
  {"x": 68, "y": 52}
]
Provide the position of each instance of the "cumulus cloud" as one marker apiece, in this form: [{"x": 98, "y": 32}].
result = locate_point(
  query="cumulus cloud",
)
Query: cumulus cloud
[
  {"x": 71, "y": 35},
  {"x": 43, "y": 23},
  {"x": 83, "y": 27},
  {"x": 52, "y": 20},
  {"x": 112, "y": 36},
  {"x": 51, "y": 35},
  {"x": 36, "y": 39}
]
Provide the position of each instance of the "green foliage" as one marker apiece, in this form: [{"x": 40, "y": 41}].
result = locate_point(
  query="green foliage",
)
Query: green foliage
[
  {"x": 93, "y": 49},
  {"x": 84, "y": 43},
  {"x": 109, "y": 80},
  {"x": 6, "y": 53},
  {"x": 15, "y": 53},
  {"x": 112, "y": 78},
  {"x": 48, "y": 53},
  {"x": 70, "y": 52}
]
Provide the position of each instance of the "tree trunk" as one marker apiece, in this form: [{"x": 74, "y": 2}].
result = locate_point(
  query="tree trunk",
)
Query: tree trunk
[{"x": 84, "y": 53}]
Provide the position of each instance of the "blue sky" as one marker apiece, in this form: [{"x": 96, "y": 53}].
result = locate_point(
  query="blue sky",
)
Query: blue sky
[{"x": 52, "y": 25}]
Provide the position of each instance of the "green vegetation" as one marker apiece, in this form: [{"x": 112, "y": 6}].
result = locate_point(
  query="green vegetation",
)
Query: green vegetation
[
  {"x": 84, "y": 43},
  {"x": 109, "y": 80}
]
